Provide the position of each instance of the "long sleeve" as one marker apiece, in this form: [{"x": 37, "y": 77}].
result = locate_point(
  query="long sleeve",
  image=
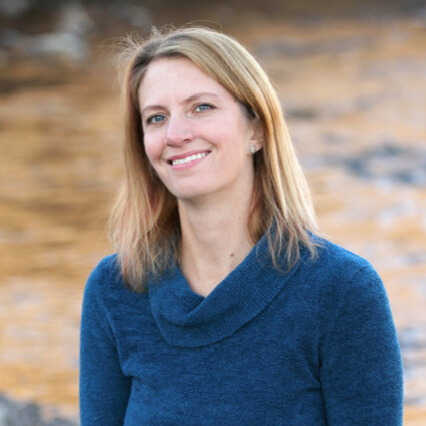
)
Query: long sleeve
[
  {"x": 361, "y": 371},
  {"x": 104, "y": 389}
]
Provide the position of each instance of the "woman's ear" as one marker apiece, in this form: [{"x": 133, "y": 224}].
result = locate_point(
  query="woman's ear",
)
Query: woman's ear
[{"x": 257, "y": 137}]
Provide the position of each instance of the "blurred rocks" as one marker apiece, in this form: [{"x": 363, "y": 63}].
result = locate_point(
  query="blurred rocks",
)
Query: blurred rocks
[
  {"x": 13, "y": 8},
  {"x": 390, "y": 162},
  {"x": 413, "y": 345},
  {"x": 386, "y": 162},
  {"x": 9, "y": 38},
  {"x": 135, "y": 15},
  {"x": 66, "y": 46},
  {"x": 4, "y": 57},
  {"x": 67, "y": 28},
  {"x": 74, "y": 19},
  {"x": 294, "y": 47},
  {"x": 67, "y": 42},
  {"x": 15, "y": 413}
]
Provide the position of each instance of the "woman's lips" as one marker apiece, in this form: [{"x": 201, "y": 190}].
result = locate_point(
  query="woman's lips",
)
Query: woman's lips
[{"x": 179, "y": 160}]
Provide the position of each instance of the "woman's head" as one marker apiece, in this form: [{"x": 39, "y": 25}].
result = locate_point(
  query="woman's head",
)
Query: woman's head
[
  {"x": 280, "y": 194},
  {"x": 197, "y": 136},
  {"x": 220, "y": 57}
]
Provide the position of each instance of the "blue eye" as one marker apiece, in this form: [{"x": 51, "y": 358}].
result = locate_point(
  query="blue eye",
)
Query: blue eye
[
  {"x": 203, "y": 107},
  {"x": 157, "y": 118}
]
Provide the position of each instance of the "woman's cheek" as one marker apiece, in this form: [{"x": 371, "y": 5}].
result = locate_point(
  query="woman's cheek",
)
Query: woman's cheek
[{"x": 152, "y": 150}]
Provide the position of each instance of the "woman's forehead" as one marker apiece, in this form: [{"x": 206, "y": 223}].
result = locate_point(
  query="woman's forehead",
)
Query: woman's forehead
[{"x": 179, "y": 77}]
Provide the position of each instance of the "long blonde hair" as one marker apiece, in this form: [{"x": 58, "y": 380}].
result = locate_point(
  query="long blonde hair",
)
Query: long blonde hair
[{"x": 144, "y": 223}]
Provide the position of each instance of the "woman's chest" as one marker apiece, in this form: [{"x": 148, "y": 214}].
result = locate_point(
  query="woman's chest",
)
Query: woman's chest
[{"x": 265, "y": 372}]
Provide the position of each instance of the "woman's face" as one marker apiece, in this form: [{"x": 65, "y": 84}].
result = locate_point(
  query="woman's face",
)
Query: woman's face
[{"x": 196, "y": 135}]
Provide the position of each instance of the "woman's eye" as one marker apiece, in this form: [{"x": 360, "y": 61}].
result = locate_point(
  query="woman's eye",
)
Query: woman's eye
[
  {"x": 203, "y": 107},
  {"x": 157, "y": 118}
]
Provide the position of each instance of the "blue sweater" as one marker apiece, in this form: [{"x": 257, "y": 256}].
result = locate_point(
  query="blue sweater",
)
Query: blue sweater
[{"x": 315, "y": 346}]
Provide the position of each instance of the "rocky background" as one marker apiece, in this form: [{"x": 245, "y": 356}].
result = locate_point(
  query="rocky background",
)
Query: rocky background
[{"x": 352, "y": 79}]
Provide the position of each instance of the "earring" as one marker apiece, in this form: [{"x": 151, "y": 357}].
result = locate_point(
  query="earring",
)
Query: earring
[{"x": 252, "y": 149}]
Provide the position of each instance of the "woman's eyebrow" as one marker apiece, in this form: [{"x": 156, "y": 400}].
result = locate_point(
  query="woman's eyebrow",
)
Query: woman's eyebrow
[
  {"x": 199, "y": 95},
  {"x": 189, "y": 99},
  {"x": 153, "y": 107}
]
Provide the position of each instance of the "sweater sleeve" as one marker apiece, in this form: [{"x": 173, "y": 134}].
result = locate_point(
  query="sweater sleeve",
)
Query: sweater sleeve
[
  {"x": 104, "y": 389},
  {"x": 361, "y": 369}
]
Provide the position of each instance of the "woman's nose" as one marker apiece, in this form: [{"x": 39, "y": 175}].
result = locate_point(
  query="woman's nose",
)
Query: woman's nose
[{"x": 179, "y": 130}]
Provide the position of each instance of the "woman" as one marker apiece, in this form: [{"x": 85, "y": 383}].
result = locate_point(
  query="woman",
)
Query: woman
[{"x": 223, "y": 306}]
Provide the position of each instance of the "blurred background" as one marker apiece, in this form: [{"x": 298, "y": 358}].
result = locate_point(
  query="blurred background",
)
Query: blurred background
[{"x": 351, "y": 76}]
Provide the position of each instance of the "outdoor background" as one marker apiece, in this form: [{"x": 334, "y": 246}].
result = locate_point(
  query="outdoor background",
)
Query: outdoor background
[{"x": 351, "y": 76}]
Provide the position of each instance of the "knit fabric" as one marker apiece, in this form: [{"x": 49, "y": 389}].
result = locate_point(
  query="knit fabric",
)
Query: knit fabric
[{"x": 313, "y": 346}]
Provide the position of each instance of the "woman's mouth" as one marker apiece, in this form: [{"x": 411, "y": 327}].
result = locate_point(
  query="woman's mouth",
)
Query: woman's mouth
[{"x": 188, "y": 159}]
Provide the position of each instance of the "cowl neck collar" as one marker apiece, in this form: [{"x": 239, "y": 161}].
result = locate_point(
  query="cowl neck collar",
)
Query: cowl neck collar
[{"x": 187, "y": 319}]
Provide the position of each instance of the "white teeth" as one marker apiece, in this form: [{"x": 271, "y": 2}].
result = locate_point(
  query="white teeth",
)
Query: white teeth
[{"x": 188, "y": 159}]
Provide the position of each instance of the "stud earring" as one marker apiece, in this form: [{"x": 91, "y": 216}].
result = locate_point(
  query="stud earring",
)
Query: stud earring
[{"x": 252, "y": 149}]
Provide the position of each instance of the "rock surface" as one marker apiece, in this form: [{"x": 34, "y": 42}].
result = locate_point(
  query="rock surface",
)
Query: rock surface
[{"x": 16, "y": 413}]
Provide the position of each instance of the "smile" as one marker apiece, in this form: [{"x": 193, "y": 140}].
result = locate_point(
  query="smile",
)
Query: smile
[{"x": 188, "y": 159}]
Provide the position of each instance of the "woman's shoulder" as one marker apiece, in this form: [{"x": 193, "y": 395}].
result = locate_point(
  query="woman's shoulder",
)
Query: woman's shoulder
[
  {"x": 106, "y": 277},
  {"x": 107, "y": 267},
  {"x": 350, "y": 300},
  {"x": 332, "y": 255},
  {"x": 338, "y": 268},
  {"x": 107, "y": 294}
]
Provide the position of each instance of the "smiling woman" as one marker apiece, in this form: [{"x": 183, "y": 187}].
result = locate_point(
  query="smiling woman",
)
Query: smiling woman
[
  {"x": 223, "y": 305},
  {"x": 196, "y": 135},
  {"x": 146, "y": 224}
]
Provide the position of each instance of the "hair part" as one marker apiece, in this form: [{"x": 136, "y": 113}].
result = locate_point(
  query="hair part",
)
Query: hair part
[{"x": 144, "y": 223}]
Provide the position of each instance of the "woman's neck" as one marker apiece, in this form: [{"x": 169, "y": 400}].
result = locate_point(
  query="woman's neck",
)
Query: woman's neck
[{"x": 215, "y": 240}]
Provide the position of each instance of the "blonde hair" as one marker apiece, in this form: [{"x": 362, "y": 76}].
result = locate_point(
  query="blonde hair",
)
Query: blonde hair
[{"x": 144, "y": 224}]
